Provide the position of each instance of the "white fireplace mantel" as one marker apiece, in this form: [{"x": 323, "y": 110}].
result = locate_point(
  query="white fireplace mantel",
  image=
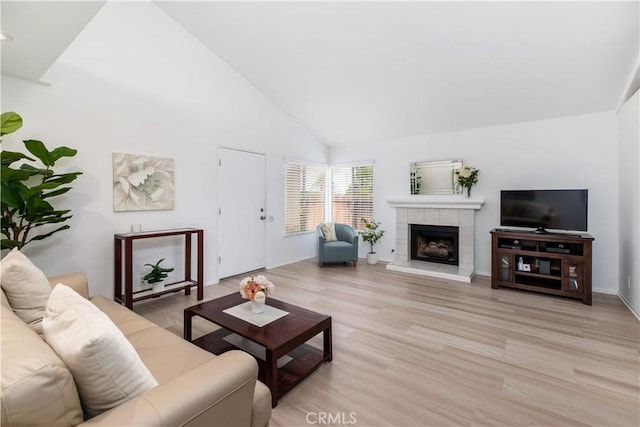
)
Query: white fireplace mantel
[
  {"x": 447, "y": 210},
  {"x": 456, "y": 201}
]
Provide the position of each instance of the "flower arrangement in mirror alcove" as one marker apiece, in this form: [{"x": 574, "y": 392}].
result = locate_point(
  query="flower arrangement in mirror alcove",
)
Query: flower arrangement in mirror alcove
[{"x": 467, "y": 177}]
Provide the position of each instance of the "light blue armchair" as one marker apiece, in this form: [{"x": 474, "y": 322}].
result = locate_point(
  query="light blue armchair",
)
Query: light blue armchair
[{"x": 345, "y": 249}]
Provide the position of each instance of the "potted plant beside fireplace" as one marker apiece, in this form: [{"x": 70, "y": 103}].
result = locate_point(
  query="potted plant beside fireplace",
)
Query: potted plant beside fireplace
[{"x": 371, "y": 234}]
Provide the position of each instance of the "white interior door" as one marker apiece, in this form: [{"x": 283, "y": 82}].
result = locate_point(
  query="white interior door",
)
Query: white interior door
[{"x": 242, "y": 214}]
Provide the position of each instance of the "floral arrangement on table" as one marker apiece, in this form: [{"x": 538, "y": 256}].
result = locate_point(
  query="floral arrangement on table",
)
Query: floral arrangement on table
[
  {"x": 467, "y": 177},
  {"x": 256, "y": 288}
]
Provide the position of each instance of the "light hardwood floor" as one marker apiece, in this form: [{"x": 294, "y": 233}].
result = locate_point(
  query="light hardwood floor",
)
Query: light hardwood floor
[{"x": 416, "y": 351}]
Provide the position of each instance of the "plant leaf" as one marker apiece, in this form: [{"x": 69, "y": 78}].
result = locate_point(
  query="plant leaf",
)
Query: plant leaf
[
  {"x": 37, "y": 206},
  {"x": 33, "y": 171},
  {"x": 36, "y": 189},
  {"x": 63, "y": 151},
  {"x": 9, "y": 157},
  {"x": 64, "y": 178},
  {"x": 38, "y": 149},
  {"x": 50, "y": 219},
  {"x": 10, "y": 244},
  {"x": 56, "y": 192},
  {"x": 11, "y": 196},
  {"x": 44, "y": 236},
  {"x": 9, "y": 174},
  {"x": 9, "y": 123}
]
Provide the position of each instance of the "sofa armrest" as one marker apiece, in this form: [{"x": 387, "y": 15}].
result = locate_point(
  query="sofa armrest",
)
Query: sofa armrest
[
  {"x": 350, "y": 235},
  {"x": 76, "y": 281},
  {"x": 217, "y": 393},
  {"x": 353, "y": 236},
  {"x": 350, "y": 232}
]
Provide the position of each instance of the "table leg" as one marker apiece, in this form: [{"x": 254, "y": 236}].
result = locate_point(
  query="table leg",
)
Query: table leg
[
  {"x": 128, "y": 272},
  {"x": 188, "y": 316},
  {"x": 271, "y": 376},
  {"x": 200, "y": 265},
  {"x": 117, "y": 270},
  {"x": 187, "y": 262},
  {"x": 328, "y": 343}
]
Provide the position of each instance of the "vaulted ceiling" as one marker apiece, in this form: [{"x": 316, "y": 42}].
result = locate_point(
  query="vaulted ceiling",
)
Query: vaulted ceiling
[
  {"x": 41, "y": 31},
  {"x": 354, "y": 72}
]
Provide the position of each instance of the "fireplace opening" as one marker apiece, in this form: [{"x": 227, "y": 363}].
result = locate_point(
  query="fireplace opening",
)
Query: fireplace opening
[{"x": 434, "y": 243}]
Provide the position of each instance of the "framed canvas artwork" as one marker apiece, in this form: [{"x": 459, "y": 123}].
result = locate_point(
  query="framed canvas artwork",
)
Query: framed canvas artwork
[{"x": 142, "y": 183}]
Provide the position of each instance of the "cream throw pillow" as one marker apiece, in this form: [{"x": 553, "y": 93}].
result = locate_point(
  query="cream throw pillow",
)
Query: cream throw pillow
[
  {"x": 26, "y": 288},
  {"x": 329, "y": 231},
  {"x": 104, "y": 364}
]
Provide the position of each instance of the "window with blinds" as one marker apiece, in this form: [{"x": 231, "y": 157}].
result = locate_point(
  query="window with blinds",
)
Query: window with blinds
[
  {"x": 305, "y": 191},
  {"x": 352, "y": 195}
]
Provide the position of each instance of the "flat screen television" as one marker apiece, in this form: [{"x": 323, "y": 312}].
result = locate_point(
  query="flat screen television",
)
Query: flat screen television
[{"x": 544, "y": 209}]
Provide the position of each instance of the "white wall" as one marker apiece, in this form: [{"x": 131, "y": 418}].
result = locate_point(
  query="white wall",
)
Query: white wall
[
  {"x": 629, "y": 176},
  {"x": 568, "y": 152},
  {"x": 134, "y": 81}
]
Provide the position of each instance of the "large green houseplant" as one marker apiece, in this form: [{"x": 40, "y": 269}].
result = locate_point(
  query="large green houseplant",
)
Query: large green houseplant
[
  {"x": 372, "y": 235},
  {"x": 27, "y": 213}
]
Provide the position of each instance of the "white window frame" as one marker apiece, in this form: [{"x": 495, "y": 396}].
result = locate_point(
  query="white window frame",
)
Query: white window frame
[
  {"x": 287, "y": 198},
  {"x": 356, "y": 224},
  {"x": 328, "y": 192}
]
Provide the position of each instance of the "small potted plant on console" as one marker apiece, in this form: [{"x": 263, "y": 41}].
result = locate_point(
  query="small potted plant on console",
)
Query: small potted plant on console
[
  {"x": 157, "y": 275},
  {"x": 371, "y": 234}
]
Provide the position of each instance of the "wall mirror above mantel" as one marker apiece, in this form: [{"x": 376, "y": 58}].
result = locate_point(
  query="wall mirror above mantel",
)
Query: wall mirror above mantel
[{"x": 437, "y": 177}]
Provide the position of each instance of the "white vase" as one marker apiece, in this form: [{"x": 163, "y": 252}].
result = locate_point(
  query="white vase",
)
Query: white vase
[
  {"x": 372, "y": 258},
  {"x": 158, "y": 286},
  {"x": 257, "y": 307}
]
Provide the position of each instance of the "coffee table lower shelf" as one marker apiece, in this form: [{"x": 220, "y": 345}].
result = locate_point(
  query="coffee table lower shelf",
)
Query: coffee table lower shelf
[{"x": 305, "y": 359}]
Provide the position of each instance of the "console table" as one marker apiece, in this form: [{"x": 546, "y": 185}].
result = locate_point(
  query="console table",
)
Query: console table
[{"x": 129, "y": 297}]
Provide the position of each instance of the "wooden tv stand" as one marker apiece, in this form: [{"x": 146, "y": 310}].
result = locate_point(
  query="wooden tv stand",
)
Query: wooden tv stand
[{"x": 552, "y": 263}]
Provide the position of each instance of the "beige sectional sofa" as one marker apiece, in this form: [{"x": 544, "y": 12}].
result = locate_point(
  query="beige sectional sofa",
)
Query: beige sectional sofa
[{"x": 196, "y": 388}]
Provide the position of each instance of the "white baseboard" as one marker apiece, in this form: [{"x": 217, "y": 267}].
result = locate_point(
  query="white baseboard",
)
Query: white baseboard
[
  {"x": 290, "y": 262},
  {"x": 604, "y": 291},
  {"x": 631, "y": 309}
]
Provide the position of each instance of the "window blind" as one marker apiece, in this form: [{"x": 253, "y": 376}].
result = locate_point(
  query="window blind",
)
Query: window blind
[
  {"x": 352, "y": 195},
  {"x": 304, "y": 197}
]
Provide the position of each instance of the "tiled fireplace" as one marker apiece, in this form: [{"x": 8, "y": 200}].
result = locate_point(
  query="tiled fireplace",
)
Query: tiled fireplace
[{"x": 439, "y": 214}]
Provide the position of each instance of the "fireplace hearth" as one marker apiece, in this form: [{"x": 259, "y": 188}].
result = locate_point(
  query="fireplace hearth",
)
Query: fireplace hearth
[{"x": 434, "y": 243}]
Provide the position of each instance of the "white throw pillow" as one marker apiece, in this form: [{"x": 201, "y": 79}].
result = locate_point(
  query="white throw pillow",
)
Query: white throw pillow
[
  {"x": 104, "y": 364},
  {"x": 329, "y": 232},
  {"x": 26, "y": 288}
]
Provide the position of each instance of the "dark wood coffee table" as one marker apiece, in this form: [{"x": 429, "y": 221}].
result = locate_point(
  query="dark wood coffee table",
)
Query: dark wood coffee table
[{"x": 285, "y": 336}]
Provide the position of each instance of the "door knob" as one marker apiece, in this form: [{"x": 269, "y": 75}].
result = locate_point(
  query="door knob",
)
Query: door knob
[{"x": 263, "y": 217}]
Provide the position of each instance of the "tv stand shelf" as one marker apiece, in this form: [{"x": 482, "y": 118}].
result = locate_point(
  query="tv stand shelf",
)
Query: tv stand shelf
[{"x": 551, "y": 263}]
